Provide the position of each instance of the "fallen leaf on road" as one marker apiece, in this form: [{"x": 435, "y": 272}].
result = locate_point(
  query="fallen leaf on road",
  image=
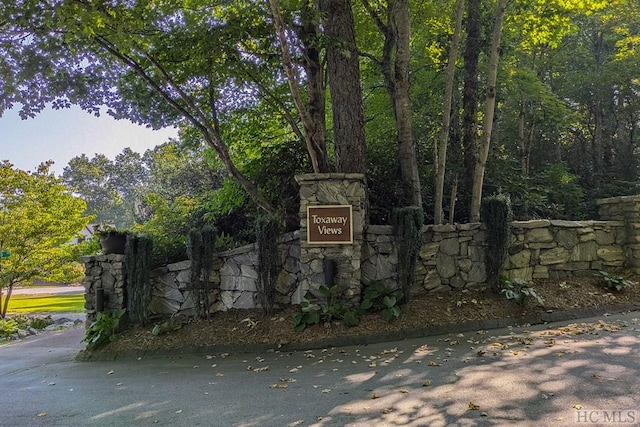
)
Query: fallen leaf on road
[
  {"x": 110, "y": 372},
  {"x": 42, "y": 414},
  {"x": 278, "y": 386},
  {"x": 432, "y": 363},
  {"x": 473, "y": 406},
  {"x": 577, "y": 406},
  {"x": 404, "y": 390},
  {"x": 375, "y": 396},
  {"x": 387, "y": 410},
  {"x": 427, "y": 383}
]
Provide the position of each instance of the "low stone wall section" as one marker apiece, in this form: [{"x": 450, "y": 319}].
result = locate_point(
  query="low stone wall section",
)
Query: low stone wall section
[
  {"x": 451, "y": 258},
  {"x": 233, "y": 281}
]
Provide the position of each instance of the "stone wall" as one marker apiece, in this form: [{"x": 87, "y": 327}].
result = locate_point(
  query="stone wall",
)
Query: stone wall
[
  {"x": 452, "y": 257},
  {"x": 233, "y": 283},
  {"x": 105, "y": 272}
]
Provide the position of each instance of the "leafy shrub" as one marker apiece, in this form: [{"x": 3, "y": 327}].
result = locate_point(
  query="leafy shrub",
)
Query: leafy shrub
[
  {"x": 104, "y": 329},
  {"x": 379, "y": 297},
  {"x": 519, "y": 291},
  {"x": 615, "y": 283},
  {"x": 314, "y": 310},
  {"x": 40, "y": 323},
  {"x": 8, "y": 327}
]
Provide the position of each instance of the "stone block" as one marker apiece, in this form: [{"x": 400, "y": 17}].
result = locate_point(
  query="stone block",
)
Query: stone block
[
  {"x": 610, "y": 254},
  {"x": 450, "y": 247},
  {"x": 539, "y": 235},
  {"x": 429, "y": 251},
  {"x": 521, "y": 259},
  {"x": 446, "y": 265},
  {"x": 586, "y": 251},
  {"x": 182, "y": 265},
  {"x": 567, "y": 238},
  {"x": 540, "y": 272},
  {"x": 533, "y": 224},
  {"x": 605, "y": 237},
  {"x": 554, "y": 256}
]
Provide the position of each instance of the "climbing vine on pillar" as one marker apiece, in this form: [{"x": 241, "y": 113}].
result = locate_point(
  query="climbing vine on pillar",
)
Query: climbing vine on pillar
[
  {"x": 407, "y": 225},
  {"x": 201, "y": 252},
  {"x": 267, "y": 233},
  {"x": 137, "y": 254},
  {"x": 497, "y": 216}
]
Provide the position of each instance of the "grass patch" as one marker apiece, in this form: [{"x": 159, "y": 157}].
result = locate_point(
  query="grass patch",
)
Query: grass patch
[{"x": 45, "y": 303}]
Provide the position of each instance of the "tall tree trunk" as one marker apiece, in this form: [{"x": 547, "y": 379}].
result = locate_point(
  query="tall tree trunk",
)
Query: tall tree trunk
[
  {"x": 396, "y": 29},
  {"x": 311, "y": 115},
  {"x": 406, "y": 143},
  {"x": 441, "y": 148},
  {"x": 489, "y": 111},
  {"x": 343, "y": 69},
  {"x": 470, "y": 100}
]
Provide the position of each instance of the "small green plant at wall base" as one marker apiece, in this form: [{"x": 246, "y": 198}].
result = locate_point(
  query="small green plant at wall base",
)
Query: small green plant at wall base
[
  {"x": 564, "y": 286},
  {"x": 8, "y": 327},
  {"x": 104, "y": 329},
  {"x": 519, "y": 291},
  {"x": 171, "y": 325},
  {"x": 249, "y": 322},
  {"x": 615, "y": 283},
  {"x": 332, "y": 307},
  {"x": 379, "y": 297},
  {"x": 308, "y": 315}
]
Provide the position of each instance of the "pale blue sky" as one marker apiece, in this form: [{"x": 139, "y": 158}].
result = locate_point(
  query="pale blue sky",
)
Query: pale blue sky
[{"x": 60, "y": 135}]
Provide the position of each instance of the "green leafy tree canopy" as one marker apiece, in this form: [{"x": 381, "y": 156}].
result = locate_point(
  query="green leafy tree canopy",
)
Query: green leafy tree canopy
[{"x": 39, "y": 217}]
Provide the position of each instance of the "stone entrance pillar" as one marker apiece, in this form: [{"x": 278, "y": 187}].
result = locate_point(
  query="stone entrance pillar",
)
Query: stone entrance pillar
[
  {"x": 328, "y": 241},
  {"x": 625, "y": 209}
]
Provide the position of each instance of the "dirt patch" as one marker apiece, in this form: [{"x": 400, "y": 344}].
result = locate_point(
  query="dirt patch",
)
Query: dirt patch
[{"x": 237, "y": 327}]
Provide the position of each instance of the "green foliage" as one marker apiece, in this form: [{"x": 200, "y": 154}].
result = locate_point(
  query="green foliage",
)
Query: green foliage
[
  {"x": 38, "y": 218},
  {"x": 138, "y": 253},
  {"x": 614, "y": 282},
  {"x": 495, "y": 212},
  {"x": 267, "y": 234},
  {"x": 201, "y": 250},
  {"x": 171, "y": 325},
  {"x": 40, "y": 323},
  {"x": 8, "y": 327},
  {"x": 104, "y": 329},
  {"x": 377, "y": 296},
  {"x": 326, "y": 307},
  {"x": 519, "y": 291},
  {"x": 407, "y": 225},
  {"x": 111, "y": 188}
]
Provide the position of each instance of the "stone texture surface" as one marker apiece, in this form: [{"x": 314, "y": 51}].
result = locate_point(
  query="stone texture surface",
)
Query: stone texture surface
[{"x": 452, "y": 256}]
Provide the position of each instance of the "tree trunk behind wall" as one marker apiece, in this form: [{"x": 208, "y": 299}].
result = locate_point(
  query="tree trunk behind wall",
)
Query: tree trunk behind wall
[{"x": 343, "y": 69}]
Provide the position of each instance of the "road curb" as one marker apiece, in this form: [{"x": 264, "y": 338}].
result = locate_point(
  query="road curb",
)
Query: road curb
[{"x": 428, "y": 331}]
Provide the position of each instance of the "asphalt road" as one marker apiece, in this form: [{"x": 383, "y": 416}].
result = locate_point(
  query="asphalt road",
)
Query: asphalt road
[{"x": 571, "y": 373}]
